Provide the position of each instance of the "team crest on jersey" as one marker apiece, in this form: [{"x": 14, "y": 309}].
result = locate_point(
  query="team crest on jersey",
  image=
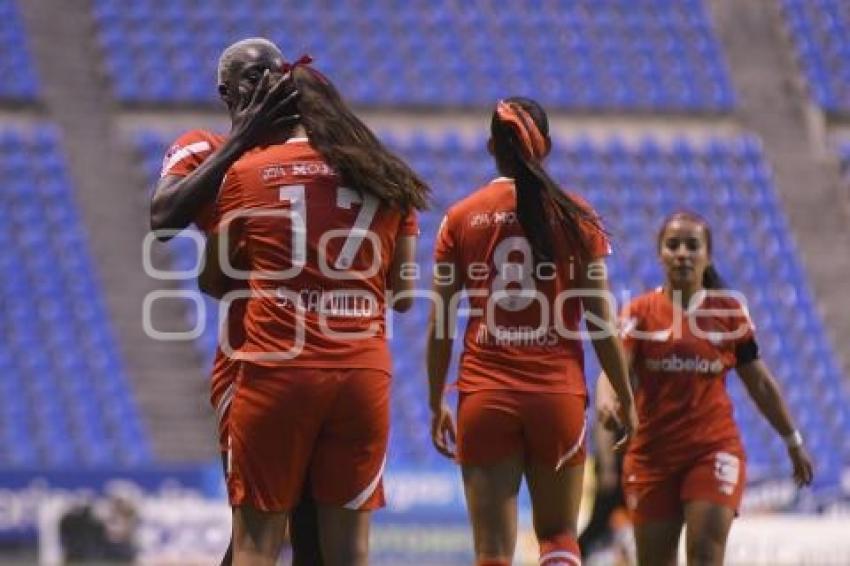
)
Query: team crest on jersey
[
  {"x": 177, "y": 153},
  {"x": 727, "y": 470},
  {"x": 166, "y": 160}
]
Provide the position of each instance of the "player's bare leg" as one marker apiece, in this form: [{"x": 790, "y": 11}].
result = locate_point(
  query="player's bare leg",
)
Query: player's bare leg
[
  {"x": 344, "y": 536},
  {"x": 227, "y": 559},
  {"x": 491, "y": 498},
  {"x": 707, "y": 527},
  {"x": 258, "y": 536},
  {"x": 304, "y": 532},
  {"x": 555, "y": 500},
  {"x": 658, "y": 542}
]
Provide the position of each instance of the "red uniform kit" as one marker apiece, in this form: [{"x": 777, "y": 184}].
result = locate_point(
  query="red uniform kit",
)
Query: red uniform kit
[
  {"x": 521, "y": 380},
  {"x": 312, "y": 396},
  {"x": 687, "y": 446},
  {"x": 184, "y": 156}
]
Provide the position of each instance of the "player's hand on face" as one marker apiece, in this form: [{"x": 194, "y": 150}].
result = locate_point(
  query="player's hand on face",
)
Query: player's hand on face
[
  {"x": 443, "y": 433},
  {"x": 628, "y": 421},
  {"x": 265, "y": 112},
  {"x": 803, "y": 468}
]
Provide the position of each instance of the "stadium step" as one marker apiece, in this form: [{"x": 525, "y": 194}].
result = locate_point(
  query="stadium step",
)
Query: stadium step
[
  {"x": 773, "y": 104},
  {"x": 166, "y": 376}
]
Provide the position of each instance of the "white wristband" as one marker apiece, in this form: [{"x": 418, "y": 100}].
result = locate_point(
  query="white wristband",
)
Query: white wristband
[{"x": 793, "y": 440}]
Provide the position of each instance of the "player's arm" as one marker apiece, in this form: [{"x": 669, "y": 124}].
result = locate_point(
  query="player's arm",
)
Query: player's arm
[
  {"x": 212, "y": 280},
  {"x": 607, "y": 476},
  {"x": 401, "y": 282},
  {"x": 765, "y": 392},
  {"x": 606, "y": 403},
  {"x": 602, "y": 326},
  {"x": 441, "y": 328},
  {"x": 177, "y": 200}
]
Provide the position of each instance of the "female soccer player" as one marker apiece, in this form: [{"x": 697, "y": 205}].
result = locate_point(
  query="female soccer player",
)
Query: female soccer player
[
  {"x": 686, "y": 462},
  {"x": 192, "y": 172},
  {"x": 325, "y": 222},
  {"x": 530, "y": 258}
]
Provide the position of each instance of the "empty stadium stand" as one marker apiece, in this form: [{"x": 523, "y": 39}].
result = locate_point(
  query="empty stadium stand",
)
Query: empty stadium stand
[
  {"x": 617, "y": 55},
  {"x": 819, "y": 29},
  {"x": 16, "y": 65},
  {"x": 65, "y": 397},
  {"x": 725, "y": 179}
]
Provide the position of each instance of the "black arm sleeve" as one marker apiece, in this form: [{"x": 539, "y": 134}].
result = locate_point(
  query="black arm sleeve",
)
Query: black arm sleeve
[{"x": 746, "y": 352}]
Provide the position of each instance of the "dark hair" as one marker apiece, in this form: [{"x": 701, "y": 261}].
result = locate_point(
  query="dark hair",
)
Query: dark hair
[
  {"x": 520, "y": 132},
  {"x": 711, "y": 279},
  {"x": 350, "y": 147}
]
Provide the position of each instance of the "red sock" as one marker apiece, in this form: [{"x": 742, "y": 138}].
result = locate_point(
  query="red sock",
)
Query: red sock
[{"x": 560, "y": 550}]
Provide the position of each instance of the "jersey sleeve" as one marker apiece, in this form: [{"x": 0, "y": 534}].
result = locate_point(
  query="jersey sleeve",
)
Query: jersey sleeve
[
  {"x": 595, "y": 238},
  {"x": 187, "y": 153},
  {"x": 630, "y": 319},
  {"x": 741, "y": 324},
  {"x": 598, "y": 243},
  {"x": 409, "y": 224},
  {"x": 230, "y": 199},
  {"x": 445, "y": 244}
]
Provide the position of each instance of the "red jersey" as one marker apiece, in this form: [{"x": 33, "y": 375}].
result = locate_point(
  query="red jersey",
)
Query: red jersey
[
  {"x": 681, "y": 359},
  {"x": 527, "y": 341},
  {"x": 320, "y": 255},
  {"x": 184, "y": 156}
]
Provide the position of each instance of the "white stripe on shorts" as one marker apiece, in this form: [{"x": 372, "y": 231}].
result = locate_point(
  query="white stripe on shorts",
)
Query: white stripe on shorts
[
  {"x": 574, "y": 448},
  {"x": 358, "y": 501},
  {"x": 560, "y": 557},
  {"x": 224, "y": 403}
]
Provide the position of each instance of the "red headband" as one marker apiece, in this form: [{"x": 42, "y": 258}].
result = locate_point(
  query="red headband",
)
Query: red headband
[
  {"x": 303, "y": 61},
  {"x": 533, "y": 142}
]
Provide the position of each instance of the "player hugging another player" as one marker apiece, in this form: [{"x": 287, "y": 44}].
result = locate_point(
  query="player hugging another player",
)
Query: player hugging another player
[{"x": 323, "y": 219}]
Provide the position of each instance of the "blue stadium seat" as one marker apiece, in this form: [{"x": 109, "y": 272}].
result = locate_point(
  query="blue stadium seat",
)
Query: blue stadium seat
[
  {"x": 53, "y": 320},
  {"x": 625, "y": 54},
  {"x": 16, "y": 65},
  {"x": 820, "y": 31}
]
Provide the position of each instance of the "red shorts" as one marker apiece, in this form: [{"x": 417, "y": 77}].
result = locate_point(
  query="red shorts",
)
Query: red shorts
[
  {"x": 546, "y": 428},
  {"x": 221, "y": 393},
  {"x": 653, "y": 495},
  {"x": 225, "y": 371},
  {"x": 285, "y": 423}
]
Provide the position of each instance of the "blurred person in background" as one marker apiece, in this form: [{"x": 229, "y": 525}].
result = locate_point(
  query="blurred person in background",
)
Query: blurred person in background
[
  {"x": 686, "y": 464},
  {"x": 515, "y": 247},
  {"x": 103, "y": 530},
  {"x": 192, "y": 172},
  {"x": 608, "y": 533},
  {"x": 334, "y": 209}
]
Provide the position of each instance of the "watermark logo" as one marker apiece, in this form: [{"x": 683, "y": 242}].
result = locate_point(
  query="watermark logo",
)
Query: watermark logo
[{"x": 338, "y": 299}]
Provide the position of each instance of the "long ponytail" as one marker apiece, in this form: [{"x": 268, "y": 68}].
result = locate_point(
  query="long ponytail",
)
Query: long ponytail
[
  {"x": 711, "y": 279},
  {"x": 520, "y": 133},
  {"x": 350, "y": 147}
]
